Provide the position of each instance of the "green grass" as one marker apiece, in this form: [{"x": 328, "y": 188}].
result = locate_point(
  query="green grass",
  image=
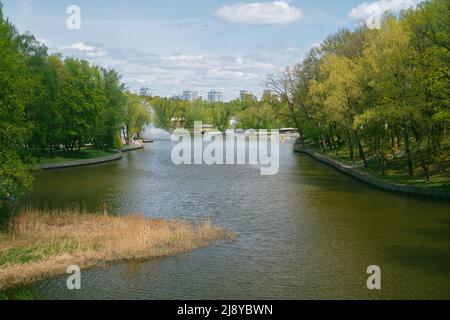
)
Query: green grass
[
  {"x": 342, "y": 156},
  {"x": 396, "y": 171},
  {"x": 32, "y": 254},
  {"x": 18, "y": 296},
  {"x": 83, "y": 154}
]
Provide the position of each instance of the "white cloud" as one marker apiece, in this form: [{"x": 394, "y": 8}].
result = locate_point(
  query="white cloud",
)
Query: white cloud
[
  {"x": 86, "y": 51},
  {"x": 260, "y": 13},
  {"x": 378, "y": 8},
  {"x": 228, "y": 75},
  {"x": 172, "y": 73},
  {"x": 80, "y": 46}
]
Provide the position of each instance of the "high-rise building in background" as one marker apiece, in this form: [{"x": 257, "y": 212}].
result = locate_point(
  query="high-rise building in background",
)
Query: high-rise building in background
[
  {"x": 189, "y": 95},
  {"x": 215, "y": 96},
  {"x": 147, "y": 92},
  {"x": 245, "y": 93},
  {"x": 269, "y": 93}
]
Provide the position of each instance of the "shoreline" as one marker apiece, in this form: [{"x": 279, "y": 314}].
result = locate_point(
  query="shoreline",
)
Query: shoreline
[
  {"x": 434, "y": 193},
  {"x": 39, "y": 244},
  {"x": 132, "y": 147},
  {"x": 89, "y": 162}
]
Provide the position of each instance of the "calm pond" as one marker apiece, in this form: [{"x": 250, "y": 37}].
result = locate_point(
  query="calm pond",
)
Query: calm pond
[{"x": 308, "y": 232}]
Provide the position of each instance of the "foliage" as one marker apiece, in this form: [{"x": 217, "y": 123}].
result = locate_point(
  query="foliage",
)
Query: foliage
[
  {"x": 250, "y": 113},
  {"x": 384, "y": 93},
  {"x": 49, "y": 105},
  {"x": 16, "y": 91}
]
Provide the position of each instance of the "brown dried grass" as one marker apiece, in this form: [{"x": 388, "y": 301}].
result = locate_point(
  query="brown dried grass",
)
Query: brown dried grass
[{"x": 38, "y": 244}]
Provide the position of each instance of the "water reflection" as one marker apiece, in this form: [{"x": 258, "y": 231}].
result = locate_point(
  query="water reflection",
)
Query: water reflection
[{"x": 308, "y": 232}]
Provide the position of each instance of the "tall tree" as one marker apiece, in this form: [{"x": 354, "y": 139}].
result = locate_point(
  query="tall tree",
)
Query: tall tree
[{"x": 16, "y": 88}]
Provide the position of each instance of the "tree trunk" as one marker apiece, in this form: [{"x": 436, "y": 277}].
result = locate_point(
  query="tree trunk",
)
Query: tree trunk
[
  {"x": 322, "y": 139},
  {"x": 319, "y": 143},
  {"x": 330, "y": 143},
  {"x": 408, "y": 151},
  {"x": 350, "y": 145},
  {"x": 424, "y": 159},
  {"x": 362, "y": 154}
]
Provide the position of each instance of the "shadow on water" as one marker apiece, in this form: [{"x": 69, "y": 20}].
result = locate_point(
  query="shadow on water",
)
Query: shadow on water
[
  {"x": 437, "y": 234},
  {"x": 445, "y": 222},
  {"x": 307, "y": 232},
  {"x": 312, "y": 173},
  {"x": 425, "y": 259},
  {"x": 433, "y": 256}
]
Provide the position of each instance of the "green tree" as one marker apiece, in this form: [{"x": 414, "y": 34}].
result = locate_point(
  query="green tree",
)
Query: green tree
[
  {"x": 110, "y": 117},
  {"x": 16, "y": 89},
  {"x": 136, "y": 116},
  {"x": 221, "y": 114}
]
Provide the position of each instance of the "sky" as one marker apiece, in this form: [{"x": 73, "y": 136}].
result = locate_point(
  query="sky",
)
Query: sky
[{"x": 202, "y": 45}]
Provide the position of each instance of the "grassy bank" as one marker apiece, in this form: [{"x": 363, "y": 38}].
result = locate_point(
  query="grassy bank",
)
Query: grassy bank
[
  {"x": 83, "y": 154},
  {"x": 40, "y": 244},
  {"x": 396, "y": 170}
]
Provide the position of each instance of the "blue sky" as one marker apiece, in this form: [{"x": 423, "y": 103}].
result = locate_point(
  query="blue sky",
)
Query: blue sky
[{"x": 174, "y": 45}]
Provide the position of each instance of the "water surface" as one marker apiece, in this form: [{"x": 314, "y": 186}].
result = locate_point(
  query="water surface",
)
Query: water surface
[{"x": 308, "y": 232}]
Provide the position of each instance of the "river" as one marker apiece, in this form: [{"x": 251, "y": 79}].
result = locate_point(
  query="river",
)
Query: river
[{"x": 308, "y": 232}]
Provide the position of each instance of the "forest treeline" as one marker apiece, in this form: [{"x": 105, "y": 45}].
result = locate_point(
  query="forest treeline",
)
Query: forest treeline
[
  {"x": 250, "y": 113},
  {"x": 378, "y": 94},
  {"x": 49, "y": 104},
  {"x": 370, "y": 95},
  {"x": 367, "y": 95}
]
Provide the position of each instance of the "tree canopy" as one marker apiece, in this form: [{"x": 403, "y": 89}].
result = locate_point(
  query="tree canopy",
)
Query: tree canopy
[
  {"x": 381, "y": 93},
  {"x": 50, "y": 104}
]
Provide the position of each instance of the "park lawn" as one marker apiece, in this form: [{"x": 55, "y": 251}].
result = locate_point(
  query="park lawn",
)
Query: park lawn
[
  {"x": 83, "y": 154},
  {"x": 396, "y": 171}
]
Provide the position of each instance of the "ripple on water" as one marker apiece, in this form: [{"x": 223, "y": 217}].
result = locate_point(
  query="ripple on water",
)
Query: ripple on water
[{"x": 308, "y": 232}]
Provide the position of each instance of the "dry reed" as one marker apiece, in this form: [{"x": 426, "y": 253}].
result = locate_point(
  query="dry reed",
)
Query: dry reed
[{"x": 39, "y": 244}]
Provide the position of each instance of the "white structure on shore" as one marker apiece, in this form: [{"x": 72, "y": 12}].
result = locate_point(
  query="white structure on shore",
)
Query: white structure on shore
[{"x": 215, "y": 96}]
